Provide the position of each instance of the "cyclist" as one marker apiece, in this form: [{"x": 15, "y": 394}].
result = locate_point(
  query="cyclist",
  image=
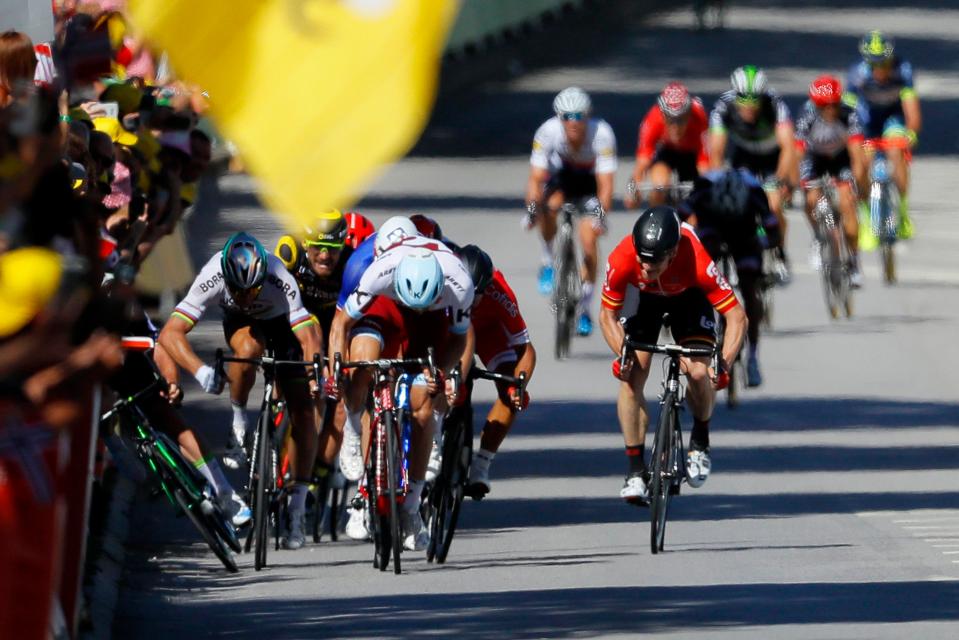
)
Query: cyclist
[
  {"x": 830, "y": 136},
  {"x": 881, "y": 89},
  {"x": 754, "y": 122},
  {"x": 317, "y": 261},
  {"x": 674, "y": 274},
  {"x": 262, "y": 308},
  {"x": 728, "y": 208},
  {"x": 393, "y": 230},
  {"x": 415, "y": 295},
  {"x": 503, "y": 345},
  {"x": 573, "y": 160},
  {"x": 358, "y": 229},
  {"x": 671, "y": 139}
]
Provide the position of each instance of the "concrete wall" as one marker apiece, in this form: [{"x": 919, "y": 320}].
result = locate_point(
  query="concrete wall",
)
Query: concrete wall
[
  {"x": 479, "y": 19},
  {"x": 33, "y": 17}
]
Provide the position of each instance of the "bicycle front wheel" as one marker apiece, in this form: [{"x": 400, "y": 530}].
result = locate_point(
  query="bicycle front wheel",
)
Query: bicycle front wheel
[
  {"x": 460, "y": 454},
  {"x": 262, "y": 491},
  {"x": 563, "y": 293},
  {"x": 392, "y": 471},
  {"x": 661, "y": 474},
  {"x": 194, "y": 511}
]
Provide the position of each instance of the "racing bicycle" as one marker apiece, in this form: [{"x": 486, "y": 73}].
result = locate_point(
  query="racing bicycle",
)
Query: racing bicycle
[
  {"x": 883, "y": 208},
  {"x": 834, "y": 254}
]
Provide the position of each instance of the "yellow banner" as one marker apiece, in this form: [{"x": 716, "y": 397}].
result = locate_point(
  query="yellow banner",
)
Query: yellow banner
[{"x": 316, "y": 94}]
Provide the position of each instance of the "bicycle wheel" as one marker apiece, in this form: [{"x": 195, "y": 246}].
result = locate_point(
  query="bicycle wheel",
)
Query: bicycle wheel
[
  {"x": 831, "y": 271},
  {"x": 562, "y": 293},
  {"x": 195, "y": 512},
  {"x": 392, "y": 489},
  {"x": 378, "y": 532},
  {"x": 320, "y": 497},
  {"x": 262, "y": 490},
  {"x": 661, "y": 474},
  {"x": 461, "y": 453}
]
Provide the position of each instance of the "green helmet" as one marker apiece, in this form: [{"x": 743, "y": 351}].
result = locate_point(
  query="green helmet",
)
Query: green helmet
[
  {"x": 749, "y": 81},
  {"x": 876, "y": 47}
]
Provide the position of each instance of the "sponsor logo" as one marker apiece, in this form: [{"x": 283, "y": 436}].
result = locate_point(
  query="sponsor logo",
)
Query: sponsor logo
[
  {"x": 713, "y": 272},
  {"x": 462, "y": 315},
  {"x": 505, "y": 302},
  {"x": 707, "y": 323},
  {"x": 212, "y": 283}
]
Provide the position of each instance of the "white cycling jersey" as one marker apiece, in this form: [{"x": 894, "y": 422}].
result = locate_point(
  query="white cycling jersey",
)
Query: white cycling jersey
[
  {"x": 280, "y": 295},
  {"x": 456, "y": 297},
  {"x": 597, "y": 155}
]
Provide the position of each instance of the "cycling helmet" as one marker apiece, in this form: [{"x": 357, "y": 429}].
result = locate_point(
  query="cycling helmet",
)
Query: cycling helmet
[
  {"x": 749, "y": 81},
  {"x": 392, "y": 232},
  {"x": 674, "y": 101},
  {"x": 358, "y": 229},
  {"x": 479, "y": 265},
  {"x": 427, "y": 227},
  {"x": 243, "y": 262},
  {"x": 656, "y": 233},
  {"x": 825, "y": 90},
  {"x": 572, "y": 100},
  {"x": 876, "y": 47},
  {"x": 729, "y": 193},
  {"x": 326, "y": 229},
  {"x": 418, "y": 279}
]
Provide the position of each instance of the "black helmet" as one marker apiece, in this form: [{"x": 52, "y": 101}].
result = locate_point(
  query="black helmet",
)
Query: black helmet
[
  {"x": 656, "y": 233},
  {"x": 729, "y": 193},
  {"x": 479, "y": 265}
]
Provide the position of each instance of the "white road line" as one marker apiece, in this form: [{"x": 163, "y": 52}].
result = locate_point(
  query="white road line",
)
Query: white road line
[
  {"x": 931, "y": 519},
  {"x": 928, "y": 526},
  {"x": 956, "y": 538},
  {"x": 949, "y": 553},
  {"x": 946, "y": 546}
]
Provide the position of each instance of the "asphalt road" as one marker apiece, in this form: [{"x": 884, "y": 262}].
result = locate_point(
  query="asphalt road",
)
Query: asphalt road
[{"x": 833, "y": 509}]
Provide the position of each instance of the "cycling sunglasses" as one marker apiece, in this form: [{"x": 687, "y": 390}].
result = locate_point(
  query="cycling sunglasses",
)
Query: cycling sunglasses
[
  {"x": 575, "y": 116},
  {"x": 747, "y": 100},
  {"x": 330, "y": 246}
]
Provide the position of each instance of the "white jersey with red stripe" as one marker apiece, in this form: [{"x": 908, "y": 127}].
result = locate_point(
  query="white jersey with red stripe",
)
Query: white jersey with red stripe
[
  {"x": 597, "y": 155},
  {"x": 279, "y": 296},
  {"x": 456, "y": 297}
]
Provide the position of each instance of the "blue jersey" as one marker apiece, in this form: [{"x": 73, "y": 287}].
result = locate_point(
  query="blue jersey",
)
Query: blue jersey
[
  {"x": 362, "y": 258},
  {"x": 877, "y": 102}
]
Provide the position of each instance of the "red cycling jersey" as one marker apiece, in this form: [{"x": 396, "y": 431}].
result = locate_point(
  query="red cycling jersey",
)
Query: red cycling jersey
[
  {"x": 498, "y": 323},
  {"x": 652, "y": 134},
  {"x": 691, "y": 268}
]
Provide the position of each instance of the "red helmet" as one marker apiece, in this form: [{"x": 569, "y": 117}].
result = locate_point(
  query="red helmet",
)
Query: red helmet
[
  {"x": 358, "y": 229},
  {"x": 674, "y": 101},
  {"x": 825, "y": 90},
  {"x": 428, "y": 227}
]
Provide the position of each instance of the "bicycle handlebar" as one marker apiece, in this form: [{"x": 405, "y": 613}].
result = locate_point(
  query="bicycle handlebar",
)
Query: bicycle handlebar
[
  {"x": 273, "y": 363},
  {"x": 672, "y": 350}
]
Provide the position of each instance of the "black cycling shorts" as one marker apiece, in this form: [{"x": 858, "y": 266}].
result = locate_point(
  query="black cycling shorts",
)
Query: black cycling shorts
[
  {"x": 682, "y": 162},
  {"x": 692, "y": 320},
  {"x": 574, "y": 184},
  {"x": 763, "y": 166},
  {"x": 275, "y": 334},
  {"x": 742, "y": 244},
  {"x": 813, "y": 167}
]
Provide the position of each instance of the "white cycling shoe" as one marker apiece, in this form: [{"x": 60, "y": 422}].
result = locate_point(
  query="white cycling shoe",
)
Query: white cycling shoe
[
  {"x": 634, "y": 489},
  {"x": 415, "y": 535},
  {"x": 351, "y": 455},
  {"x": 356, "y": 527},
  {"x": 435, "y": 464},
  {"x": 479, "y": 484},
  {"x": 236, "y": 510},
  {"x": 698, "y": 466}
]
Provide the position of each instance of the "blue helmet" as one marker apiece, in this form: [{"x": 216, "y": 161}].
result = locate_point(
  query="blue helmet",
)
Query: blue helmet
[
  {"x": 243, "y": 262},
  {"x": 876, "y": 48},
  {"x": 418, "y": 279}
]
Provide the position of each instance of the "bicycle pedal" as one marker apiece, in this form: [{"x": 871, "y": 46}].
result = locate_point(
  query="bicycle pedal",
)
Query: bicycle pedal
[
  {"x": 475, "y": 491},
  {"x": 637, "y": 502}
]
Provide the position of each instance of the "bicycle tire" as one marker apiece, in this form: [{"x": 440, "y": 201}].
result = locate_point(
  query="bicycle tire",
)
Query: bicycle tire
[
  {"x": 562, "y": 293},
  {"x": 320, "y": 497},
  {"x": 262, "y": 491},
  {"x": 461, "y": 454},
  {"x": 392, "y": 490},
  {"x": 199, "y": 520},
  {"x": 660, "y": 474},
  {"x": 377, "y": 531}
]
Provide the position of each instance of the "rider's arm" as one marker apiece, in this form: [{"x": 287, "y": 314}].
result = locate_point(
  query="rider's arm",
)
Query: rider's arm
[
  {"x": 539, "y": 164},
  {"x": 650, "y": 131},
  {"x": 621, "y": 260},
  {"x": 308, "y": 335},
  {"x": 717, "y": 135},
  {"x": 604, "y": 190},
  {"x": 912, "y": 113},
  {"x": 736, "y": 324},
  {"x": 173, "y": 340},
  {"x": 535, "y": 186},
  {"x": 613, "y": 331},
  {"x": 604, "y": 146},
  {"x": 526, "y": 362},
  {"x": 166, "y": 365},
  {"x": 466, "y": 360},
  {"x": 339, "y": 330},
  {"x": 787, "y": 168}
]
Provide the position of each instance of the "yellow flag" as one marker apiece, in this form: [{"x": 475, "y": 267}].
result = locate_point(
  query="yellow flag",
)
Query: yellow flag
[{"x": 316, "y": 94}]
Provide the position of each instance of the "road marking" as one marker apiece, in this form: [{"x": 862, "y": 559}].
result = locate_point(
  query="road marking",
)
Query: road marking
[
  {"x": 946, "y": 519},
  {"x": 946, "y": 546}
]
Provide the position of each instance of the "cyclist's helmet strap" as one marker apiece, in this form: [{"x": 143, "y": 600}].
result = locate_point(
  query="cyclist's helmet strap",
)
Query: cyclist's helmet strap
[
  {"x": 656, "y": 233},
  {"x": 243, "y": 262},
  {"x": 479, "y": 265}
]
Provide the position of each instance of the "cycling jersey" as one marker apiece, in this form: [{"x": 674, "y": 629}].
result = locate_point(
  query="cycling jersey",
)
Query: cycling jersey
[
  {"x": 319, "y": 294},
  {"x": 498, "y": 324},
  {"x": 456, "y": 297},
  {"x": 360, "y": 259},
  {"x": 691, "y": 268},
  {"x": 597, "y": 155},
  {"x": 757, "y": 138},
  {"x": 652, "y": 134},
  {"x": 820, "y": 137},
  {"x": 877, "y": 103},
  {"x": 279, "y": 296}
]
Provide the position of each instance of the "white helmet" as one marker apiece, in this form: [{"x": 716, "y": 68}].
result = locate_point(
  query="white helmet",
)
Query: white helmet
[
  {"x": 418, "y": 279},
  {"x": 572, "y": 100},
  {"x": 392, "y": 232}
]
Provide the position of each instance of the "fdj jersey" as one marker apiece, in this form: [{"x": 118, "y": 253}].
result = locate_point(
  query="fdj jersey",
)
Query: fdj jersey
[{"x": 319, "y": 293}]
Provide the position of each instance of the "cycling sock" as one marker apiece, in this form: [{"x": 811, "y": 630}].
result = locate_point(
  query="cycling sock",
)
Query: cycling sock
[
  {"x": 753, "y": 350},
  {"x": 212, "y": 472},
  {"x": 483, "y": 458},
  {"x": 437, "y": 425},
  {"x": 547, "y": 255},
  {"x": 412, "y": 501},
  {"x": 239, "y": 418},
  {"x": 636, "y": 455},
  {"x": 587, "y": 298},
  {"x": 699, "y": 438},
  {"x": 354, "y": 421},
  {"x": 297, "y": 503}
]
